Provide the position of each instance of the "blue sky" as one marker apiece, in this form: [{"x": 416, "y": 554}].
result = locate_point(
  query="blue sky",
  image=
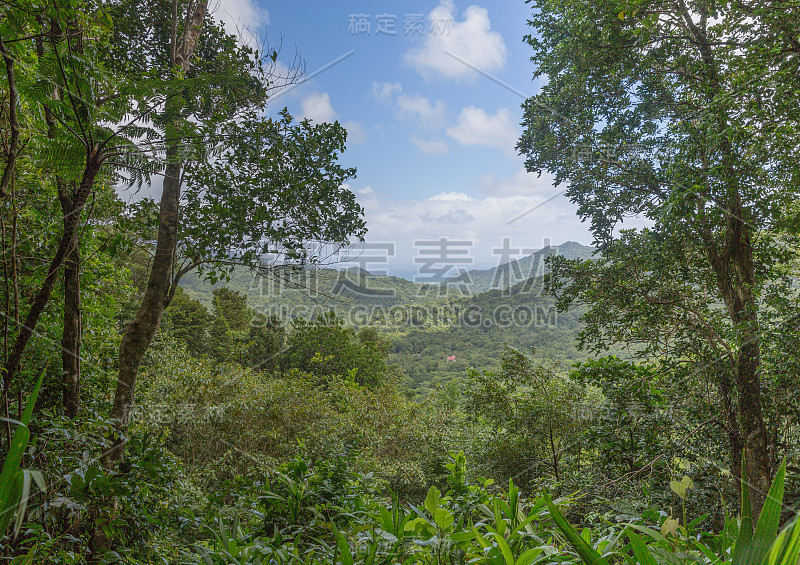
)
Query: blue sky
[{"x": 430, "y": 93}]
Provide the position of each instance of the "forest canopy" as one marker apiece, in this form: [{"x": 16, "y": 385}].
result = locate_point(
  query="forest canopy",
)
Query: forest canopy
[{"x": 633, "y": 402}]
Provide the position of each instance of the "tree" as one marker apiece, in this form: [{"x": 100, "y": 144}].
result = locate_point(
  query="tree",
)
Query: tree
[
  {"x": 326, "y": 349},
  {"x": 537, "y": 415},
  {"x": 188, "y": 320},
  {"x": 140, "y": 331},
  {"x": 267, "y": 336},
  {"x": 632, "y": 430},
  {"x": 662, "y": 312},
  {"x": 232, "y": 306},
  {"x": 370, "y": 334},
  {"x": 71, "y": 121},
  {"x": 230, "y": 322},
  {"x": 686, "y": 114},
  {"x": 267, "y": 187}
]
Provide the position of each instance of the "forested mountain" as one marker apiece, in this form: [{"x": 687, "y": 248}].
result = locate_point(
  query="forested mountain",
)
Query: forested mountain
[
  {"x": 427, "y": 324},
  {"x": 510, "y": 273},
  {"x": 353, "y": 286}
]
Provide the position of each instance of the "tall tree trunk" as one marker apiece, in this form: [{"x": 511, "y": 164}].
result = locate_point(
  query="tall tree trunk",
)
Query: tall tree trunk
[
  {"x": 142, "y": 329},
  {"x": 744, "y": 313},
  {"x": 735, "y": 274},
  {"x": 731, "y": 424},
  {"x": 71, "y": 332},
  {"x": 13, "y": 121},
  {"x": 748, "y": 383},
  {"x": 71, "y": 336},
  {"x": 42, "y": 297},
  {"x": 733, "y": 267},
  {"x": 756, "y": 452}
]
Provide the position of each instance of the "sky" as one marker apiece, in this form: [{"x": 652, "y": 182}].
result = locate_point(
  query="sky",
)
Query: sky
[{"x": 430, "y": 94}]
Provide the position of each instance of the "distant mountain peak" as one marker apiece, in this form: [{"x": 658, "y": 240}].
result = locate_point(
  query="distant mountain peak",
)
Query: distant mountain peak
[{"x": 508, "y": 274}]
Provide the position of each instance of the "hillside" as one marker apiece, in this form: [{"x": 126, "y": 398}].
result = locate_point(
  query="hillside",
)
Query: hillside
[
  {"x": 513, "y": 272},
  {"x": 428, "y": 324},
  {"x": 303, "y": 291}
]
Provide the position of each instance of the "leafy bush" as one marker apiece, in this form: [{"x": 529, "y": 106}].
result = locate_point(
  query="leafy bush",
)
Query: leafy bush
[
  {"x": 468, "y": 524},
  {"x": 226, "y": 420}
]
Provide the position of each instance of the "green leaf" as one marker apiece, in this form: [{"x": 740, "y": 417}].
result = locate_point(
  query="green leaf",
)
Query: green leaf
[
  {"x": 529, "y": 556},
  {"x": 432, "y": 500},
  {"x": 502, "y": 544},
  {"x": 770, "y": 517},
  {"x": 443, "y": 518},
  {"x": 752, "y": 548},
  {"x": 11, "y": 421},
  {"x": 670, "y": 526},
  {"x": 583, "y": 549},
  {"x": 25, "y": 495},
  {"x": 680, "y": 487},
  {"x": 640, "y": 550},
  {"x": 786, "y": 548},
  {"x": 462, "y": 536},
  {"x": 746, "y": 520},
  {"x": 11, "y": 478}
]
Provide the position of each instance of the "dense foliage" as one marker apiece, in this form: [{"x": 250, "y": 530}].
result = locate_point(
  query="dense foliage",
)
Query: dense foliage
[
  {"x": 671, "y": 111},
  {"x": 184, "y": 382}
]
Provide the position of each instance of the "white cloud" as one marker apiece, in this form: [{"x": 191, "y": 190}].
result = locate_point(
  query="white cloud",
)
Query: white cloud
[
  {"x": 484, "y": 221},
  {"x": 431, "y": 146},
  {"x": 242, "y": 17},
  {"x": 470, "y": 39},
  {"x": 454, "y": 217},
  {"x": 317, "y": 108},
  {"x": 419, "y": 109},
  {"x": 475, "y": 127},
  {"x": 521, "y": 183},
  {"x": 410, "y": 107},
  {"x": 540, "y": 211},
  {"x": 355, "y": 132},
  {"x": 386, "y": 91},
  {"x": 451, "y": 197}
]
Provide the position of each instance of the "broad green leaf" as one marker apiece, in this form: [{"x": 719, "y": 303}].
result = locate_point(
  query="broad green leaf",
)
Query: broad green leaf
[
  {"x": 443, "y": 518},
  {"x": 502, "y": 544},
  {"x": 432, "y": 500},
  {"x": 745, "y": 533},
  {"x": 751, "y": 549},
  {"x": 640, "y": 550},
  {"x": 786, "y": 549},
  {"x": 670, "y": 526},
  {"x": 583, "y": 549},
  {"x": 529, "y": 556},
  {"x": 11, "y": 477},
  {"x": 680, "y": 487}
]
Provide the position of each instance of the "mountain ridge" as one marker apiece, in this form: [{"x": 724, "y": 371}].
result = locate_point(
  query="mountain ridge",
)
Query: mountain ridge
[
  {"x": 513, "y": 272},
  {"x": 356, "y": 285}
]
